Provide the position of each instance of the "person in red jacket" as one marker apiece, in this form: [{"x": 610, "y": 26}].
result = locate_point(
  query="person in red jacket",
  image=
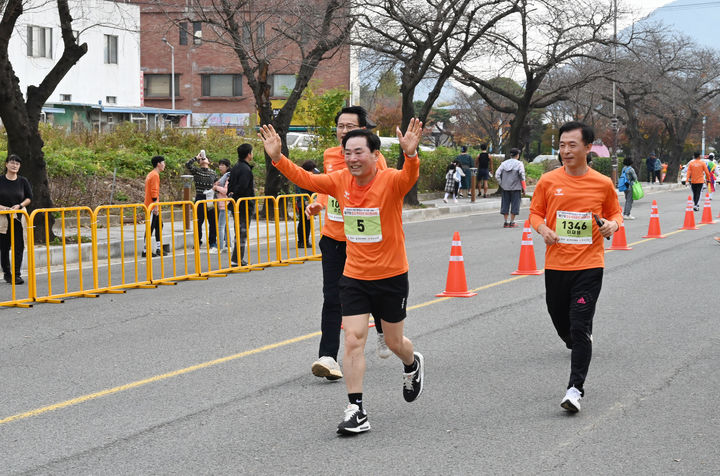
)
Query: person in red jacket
[
  {"x": 375, "y": 277},
  {"x": 573, "y": 207}
]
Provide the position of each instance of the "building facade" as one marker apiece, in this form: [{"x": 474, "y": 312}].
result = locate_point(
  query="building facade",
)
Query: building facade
[{"x": 209, "y": 78}]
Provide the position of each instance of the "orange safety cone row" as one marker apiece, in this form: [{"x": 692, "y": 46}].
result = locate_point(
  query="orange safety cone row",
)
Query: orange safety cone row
[
  {"x": 619, "y": 241},
  {"x": 456, "y": 285},
  {"x": 689, "y": 223},
  {"x": 707, "y": 217},
  {"x": 527, "y": 253},
  {"x": 654, "y": 227}
]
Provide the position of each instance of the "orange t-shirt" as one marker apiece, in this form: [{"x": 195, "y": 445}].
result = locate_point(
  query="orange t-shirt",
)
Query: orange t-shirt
[
  {"x": 565, "y": 203},
  {"x": 697, "y": 170},
  {"x": 333, "y": 160},
  {"x": 152, "y": 187},
  {"x": 372, "y": 215}
]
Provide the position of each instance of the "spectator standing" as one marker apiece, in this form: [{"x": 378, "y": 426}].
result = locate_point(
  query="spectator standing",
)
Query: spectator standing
[
  {"x": 697, "y": 173},
  {"x": 511, "y": 179},
  {"x": 221, "y": 187},
  {"x": 465, "y": 162},
  {"x": 650, "y": 167},
  {"x": 152, "y": 195},
  {"x": 658, "y": 170},
  {"x": 630, "y": 177},
  {"x": 204, "y": 178},
  {"x": 241, "y": 183},
  {"x": 303, "y": 227},
  {"x": 484, "y": 169},
  {"x": 15, "y": 194},
  {"x": 562, "y": 209}
]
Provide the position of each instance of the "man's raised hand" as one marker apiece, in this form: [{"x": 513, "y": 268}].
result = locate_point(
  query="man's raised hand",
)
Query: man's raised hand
[
  {"x": 271, "y": 141},
  {"x": 410, "y": 141}
]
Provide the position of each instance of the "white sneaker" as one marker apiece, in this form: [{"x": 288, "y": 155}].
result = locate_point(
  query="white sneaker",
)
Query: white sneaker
[
  {"x": 383, "y": 351},
  {"x": 455, "y": 200},
  {"x": 628, "y": 217},
  {"x": 326, "y": 367},
  {"x": 571, "y": 402},
  {"x": 354, "y": 421},
  {"x": 445, "y": 200}
]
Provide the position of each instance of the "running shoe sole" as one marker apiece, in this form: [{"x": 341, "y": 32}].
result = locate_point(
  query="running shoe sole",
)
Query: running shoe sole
[
  {"x": 319, "y": 370},
  {"x": 567, "y": 405},
  {"x": 354, "y": 431}
]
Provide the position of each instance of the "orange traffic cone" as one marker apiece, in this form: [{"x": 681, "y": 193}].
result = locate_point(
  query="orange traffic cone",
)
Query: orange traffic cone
[
  {"x": 707, "y": 212},
  {"x": 456, "y": 285},
  {"x": 654, "y": 227},
  {"x": 527, "y": 253},
  {"x": 689, "y": 223},
  {"x": 619, "y": 241}
]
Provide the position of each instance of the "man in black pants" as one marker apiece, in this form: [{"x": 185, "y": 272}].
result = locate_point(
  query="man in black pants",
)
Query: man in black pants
[
  {"x": 333, "y": 249},
  {"x": 242, "y": 184}
]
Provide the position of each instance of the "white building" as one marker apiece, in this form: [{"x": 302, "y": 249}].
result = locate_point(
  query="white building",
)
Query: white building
[{"x": 106, "y": 84}]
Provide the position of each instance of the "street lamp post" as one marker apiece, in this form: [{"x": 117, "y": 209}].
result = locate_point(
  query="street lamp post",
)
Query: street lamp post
[
  {"x": 703, "y": 136},
  {"x": 172, "y": 71}
]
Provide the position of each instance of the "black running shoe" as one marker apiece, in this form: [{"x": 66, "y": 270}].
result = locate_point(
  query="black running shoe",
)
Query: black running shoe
[
  {"x": 355, "y": 421},
  {"x": 413, "y": 381}
]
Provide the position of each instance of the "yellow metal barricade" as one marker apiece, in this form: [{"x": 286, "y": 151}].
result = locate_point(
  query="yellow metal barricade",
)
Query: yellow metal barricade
[
  {"x": 293, "y": 229},
  {"x": 176, "y": 258},
  {"x": 11, "y": 236},
  {"x": 54, "y": 263},
  {"x": 219, "y": 220},
  {"x": 118, "y": 232}
]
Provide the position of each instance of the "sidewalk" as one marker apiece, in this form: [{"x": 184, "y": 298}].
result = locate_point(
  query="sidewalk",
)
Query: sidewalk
[{"x": 432, "y": 207}]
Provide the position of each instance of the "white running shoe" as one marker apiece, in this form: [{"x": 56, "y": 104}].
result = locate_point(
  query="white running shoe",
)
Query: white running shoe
[
  {"x": 628, "y": 217},
  {"x": 327, "y": 367},
  {"x": 383, "y": 351},
  {"x": 571, "y": 402}
]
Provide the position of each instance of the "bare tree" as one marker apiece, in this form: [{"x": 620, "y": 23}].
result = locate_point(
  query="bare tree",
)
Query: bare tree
[
  {"x": 280, "y": 36},
  {"x": 21, "y": 116},
  {"x": 550, "y": 35},
  {"x": 416, "y": 34},
  {"x": 478, "y": 121}
]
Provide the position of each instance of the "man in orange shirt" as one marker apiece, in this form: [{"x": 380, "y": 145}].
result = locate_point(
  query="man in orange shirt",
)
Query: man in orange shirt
[
  {"x": 375, "y": 278},
  {"x": 152, "y": 195},
  {"x": 573, "y": 208},
  {"x": 332, "y": 247},
  {"x": 697, "y": 171}
]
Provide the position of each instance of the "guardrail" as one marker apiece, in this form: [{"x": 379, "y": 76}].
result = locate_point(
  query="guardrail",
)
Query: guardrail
[{"x": 120, "y": 254}]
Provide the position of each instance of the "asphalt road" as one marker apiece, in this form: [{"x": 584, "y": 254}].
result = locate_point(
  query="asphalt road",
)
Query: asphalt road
[{"x": 213, "y": 377}]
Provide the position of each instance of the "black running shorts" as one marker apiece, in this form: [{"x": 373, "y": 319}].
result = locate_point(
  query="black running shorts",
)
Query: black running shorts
[{"x": 385, "y": 298}]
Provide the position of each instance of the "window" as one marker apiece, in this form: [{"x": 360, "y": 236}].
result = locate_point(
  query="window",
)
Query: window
[
  {"x": 222, "y": 85},
  {"x": 39, "y": 42},
  {"x": 158, "y": 85},
  {"x": 66, "y": 97},
  {"x": 197, "y": 33},
  {"x": 111, "y": 49},
  {"x": 111, "y": 99},
  {"x": 183, "y": 32},
  {"x": 282, "y": 84}
]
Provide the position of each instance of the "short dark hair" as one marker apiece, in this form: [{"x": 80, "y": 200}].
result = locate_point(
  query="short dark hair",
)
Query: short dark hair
[
  {"x": 243, "y": 151},
  {"x": 14, "y": 158},
  {"x": 156, "y": 160},
  {"x": 463, "y": 148},
  {"x": 483, "y": 146},
  {"x": 373, "y": 141},
  {"x": 309, "y": 165},
  {"x": 588, "y": 134},
  {"x": 514, "y": 152},
  {"x": 627, "y": 161},
  {"x": 357, "y": 110},
  {"x": 696, "y": 154},
  {"x": 224, "y": 162}
]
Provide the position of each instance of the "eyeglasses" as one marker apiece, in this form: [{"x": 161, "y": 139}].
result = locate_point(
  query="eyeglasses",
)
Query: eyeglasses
[{"x": 347, "y": 127}]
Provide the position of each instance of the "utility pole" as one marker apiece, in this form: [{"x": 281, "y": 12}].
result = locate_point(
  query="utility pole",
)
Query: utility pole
[{"x": 172, "y": 71}]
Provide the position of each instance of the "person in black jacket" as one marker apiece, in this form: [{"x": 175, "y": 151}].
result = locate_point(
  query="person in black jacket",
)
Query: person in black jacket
[
  {"x": 15, "y": 194},
  {"x": 242, "y": 184}
]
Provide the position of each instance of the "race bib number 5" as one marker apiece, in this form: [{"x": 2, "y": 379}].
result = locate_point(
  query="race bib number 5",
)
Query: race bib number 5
[
  {"x": 574, "y": 228},
  {"x": 362, "y": 225},
  {"x": 333, "y": 209}
]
